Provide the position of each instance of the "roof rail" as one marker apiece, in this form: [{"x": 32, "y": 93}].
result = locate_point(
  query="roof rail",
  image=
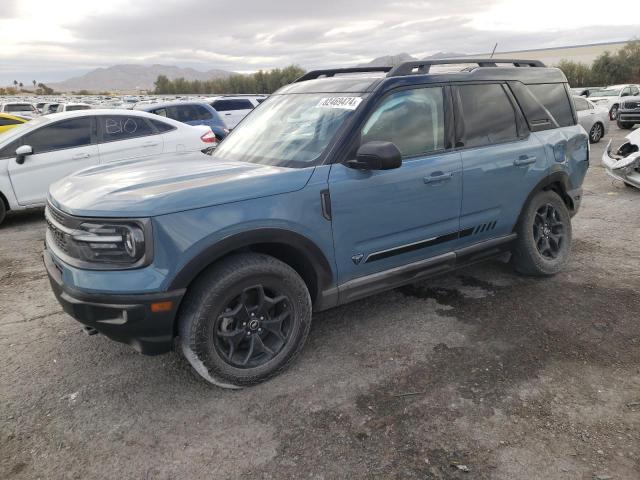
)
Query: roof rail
[
  {"x": 333, "y": 71},
  {"x": 423, "y": 66}
]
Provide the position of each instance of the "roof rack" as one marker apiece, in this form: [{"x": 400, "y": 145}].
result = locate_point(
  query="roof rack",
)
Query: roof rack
[
  {"x": 333, "y": 71},
  {"x": 422, "y": 67}
]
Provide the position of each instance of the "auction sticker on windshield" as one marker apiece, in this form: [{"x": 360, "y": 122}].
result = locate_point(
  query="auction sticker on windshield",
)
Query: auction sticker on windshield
[{"x": 348, "y": 103}]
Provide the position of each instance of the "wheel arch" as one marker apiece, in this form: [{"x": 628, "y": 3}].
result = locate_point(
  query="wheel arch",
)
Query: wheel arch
[
  {"x": 5, "y": 201},
  {"x": 294, "y": 249},
  {"x": 558, "y": 182}
]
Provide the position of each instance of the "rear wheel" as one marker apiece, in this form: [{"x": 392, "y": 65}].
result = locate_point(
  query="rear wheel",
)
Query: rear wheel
[
  {"x": 596, "y": 133},
  {"x": 245, "y": 320},
  {"x": 613, "y": 113},
  {"x": 544, "y": 236}
]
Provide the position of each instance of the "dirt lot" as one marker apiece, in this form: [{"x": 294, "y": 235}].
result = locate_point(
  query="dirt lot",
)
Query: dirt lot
[{"x": 508, "y": 377}]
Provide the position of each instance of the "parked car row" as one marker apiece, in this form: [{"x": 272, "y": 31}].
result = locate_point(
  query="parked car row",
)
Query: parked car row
[
  {"x": 231, "y": 108},
  {"x": 610, "y": 97},
  {"x": 48, "y": 148}
]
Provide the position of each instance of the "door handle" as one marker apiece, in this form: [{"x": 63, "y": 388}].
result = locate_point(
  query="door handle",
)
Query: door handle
[
  {"x": 79, "y": 156},
  {"x": 524, "y": 160},
  {"x": 150, "y": 144},
  {"x": 438, "y": 177}
]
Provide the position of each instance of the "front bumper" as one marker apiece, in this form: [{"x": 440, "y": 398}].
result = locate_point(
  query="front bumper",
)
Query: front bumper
[
  {"x": 626, "y": 169},
  {"x": 124, "y": 318},
  {"x": 629, "y": 116}
]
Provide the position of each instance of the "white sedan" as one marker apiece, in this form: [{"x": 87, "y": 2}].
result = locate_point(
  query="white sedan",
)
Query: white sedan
[
  {"x": 48, "y": 148},
  {"x": 594, "y": 119}
]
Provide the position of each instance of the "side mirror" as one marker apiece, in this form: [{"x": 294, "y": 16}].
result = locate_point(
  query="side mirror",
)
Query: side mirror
[
  {"x": 376, "y": 155},
  {"x": 22, "y": 153}
]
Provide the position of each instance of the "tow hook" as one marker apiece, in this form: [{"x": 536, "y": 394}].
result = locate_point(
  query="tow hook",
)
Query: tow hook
[{"x": 90, "y": 331}]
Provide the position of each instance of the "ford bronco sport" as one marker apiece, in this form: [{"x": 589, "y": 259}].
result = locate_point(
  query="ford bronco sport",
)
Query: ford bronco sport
[{"x": 343, "y": 184}]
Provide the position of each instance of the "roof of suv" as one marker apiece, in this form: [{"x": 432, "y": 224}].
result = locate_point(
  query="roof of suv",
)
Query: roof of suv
[{"x": 364, "y": 79}]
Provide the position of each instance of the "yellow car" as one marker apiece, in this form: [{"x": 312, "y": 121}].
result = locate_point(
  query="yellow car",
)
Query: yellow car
[{"x": 8, "y": 122}]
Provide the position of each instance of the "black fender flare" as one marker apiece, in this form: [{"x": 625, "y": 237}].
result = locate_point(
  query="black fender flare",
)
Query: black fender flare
[
  {"x": 313, "y": 253},
  {"x": 559, "y": 176}
]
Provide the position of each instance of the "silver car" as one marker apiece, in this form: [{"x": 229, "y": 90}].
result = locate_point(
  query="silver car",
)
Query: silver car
[{"x": 594, "y": 119}]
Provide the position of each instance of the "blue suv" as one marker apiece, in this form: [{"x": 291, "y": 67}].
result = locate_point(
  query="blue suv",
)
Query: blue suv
[{"x": 341, "y": 185}]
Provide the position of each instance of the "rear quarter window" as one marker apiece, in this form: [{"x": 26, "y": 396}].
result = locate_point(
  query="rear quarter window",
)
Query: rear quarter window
[
  {"x": 553, "y": 96},
  {"x": 161, "y": 127}
]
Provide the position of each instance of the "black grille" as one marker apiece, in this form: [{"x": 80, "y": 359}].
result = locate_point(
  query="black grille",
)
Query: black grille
[
  {"x": 58, "y": 237},
  {"x": 55, "y": 221},
  {"x": 58, "y": 216},
  {"x": 630, "y": 105}
]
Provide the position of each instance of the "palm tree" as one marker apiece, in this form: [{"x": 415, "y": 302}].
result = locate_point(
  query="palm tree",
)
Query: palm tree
[
  {"x": 15, "y": 83},
  {"x": 21, "y": 85},
  {"x": 34, "y": 83}
]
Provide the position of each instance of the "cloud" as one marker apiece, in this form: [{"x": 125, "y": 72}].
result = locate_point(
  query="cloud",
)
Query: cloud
[
  {"x": 8, "y": 9},
  {"x": 246, "y": 35}
]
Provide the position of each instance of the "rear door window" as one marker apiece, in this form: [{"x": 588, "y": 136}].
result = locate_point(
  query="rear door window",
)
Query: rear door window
[
  {"x": 488, "y": 115},
  {"x": 71, "y": 133},
  {"x": 114, "y": 128},
  {"x": 554, "y": 98}
]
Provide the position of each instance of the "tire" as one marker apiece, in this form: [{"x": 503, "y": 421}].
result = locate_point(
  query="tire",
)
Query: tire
[
  {"x": 221, "y": 325},
  {"x": 596, "y": 133},
  {"x": 3, "y": 210},
  {"x": 613, "y": 113},
  {"x": 624, "y": 125},
  {"x": 544, "y": 222}
]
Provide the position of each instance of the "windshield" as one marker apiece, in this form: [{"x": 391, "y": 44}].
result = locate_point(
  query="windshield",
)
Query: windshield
[
  {"x": 613, "y": 92},
  {"x": 288, "y": 130}
]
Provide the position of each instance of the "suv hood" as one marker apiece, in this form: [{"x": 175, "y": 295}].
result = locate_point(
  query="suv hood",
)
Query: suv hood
[{"x": 168, "y": 184}]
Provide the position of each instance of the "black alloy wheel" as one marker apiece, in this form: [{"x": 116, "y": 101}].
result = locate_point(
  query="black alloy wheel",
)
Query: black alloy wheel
[
  {"x": 548, "y": 231},
  {"x": 254, "y": 327}
]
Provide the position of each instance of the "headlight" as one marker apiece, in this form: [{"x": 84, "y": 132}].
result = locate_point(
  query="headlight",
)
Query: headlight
[{"x": 109, "y": 243}]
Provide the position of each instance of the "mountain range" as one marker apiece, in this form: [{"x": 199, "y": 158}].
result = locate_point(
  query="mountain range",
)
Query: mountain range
[
  {"x": 129, "y": 78},
  {"x": 132, "y": 78}
]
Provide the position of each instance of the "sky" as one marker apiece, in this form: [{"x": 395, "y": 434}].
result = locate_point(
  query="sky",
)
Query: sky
[{"x": 52, "y": 40}]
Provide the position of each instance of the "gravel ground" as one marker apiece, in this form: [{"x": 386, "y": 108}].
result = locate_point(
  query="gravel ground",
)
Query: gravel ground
[{"x": 482, "y": 370}]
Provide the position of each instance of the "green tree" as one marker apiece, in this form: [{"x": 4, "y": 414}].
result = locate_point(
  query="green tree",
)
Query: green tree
[{"x": 259, "y": 82}]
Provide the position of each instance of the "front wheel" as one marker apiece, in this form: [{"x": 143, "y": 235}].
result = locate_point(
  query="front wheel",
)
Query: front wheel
[
  {"x": 244, "y": 320},
  {"x": 544, "y": 236},
  {"x": 3, "y": 211}
]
